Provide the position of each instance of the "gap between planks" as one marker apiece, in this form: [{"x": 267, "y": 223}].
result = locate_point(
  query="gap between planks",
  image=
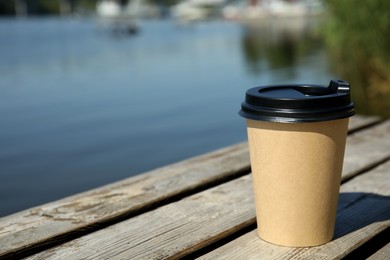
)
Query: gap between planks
[
  {"x": 375, "y": 249},
  {"x": 381, "y": 254}
]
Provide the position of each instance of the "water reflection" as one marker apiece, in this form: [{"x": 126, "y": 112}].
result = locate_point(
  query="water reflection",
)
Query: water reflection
[{"x": 279, "y": 43}]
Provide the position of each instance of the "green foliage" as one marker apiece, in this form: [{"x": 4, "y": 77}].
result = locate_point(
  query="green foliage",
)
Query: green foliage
[
  {"x": 364, "y": 25},
  {"x": 358, "y": 37},
  {"x": 86, "y": 4}
]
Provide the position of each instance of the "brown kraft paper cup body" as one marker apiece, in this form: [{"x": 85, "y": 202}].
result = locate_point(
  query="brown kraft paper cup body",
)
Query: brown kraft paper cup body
[{"x": 296, "y": 170}]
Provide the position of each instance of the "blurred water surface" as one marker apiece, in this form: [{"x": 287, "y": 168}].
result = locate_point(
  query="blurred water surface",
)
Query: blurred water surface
[{"x": 82, "y": 106}]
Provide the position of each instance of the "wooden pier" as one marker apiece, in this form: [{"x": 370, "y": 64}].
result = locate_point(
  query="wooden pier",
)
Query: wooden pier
[{"x": 203, "y": 208}]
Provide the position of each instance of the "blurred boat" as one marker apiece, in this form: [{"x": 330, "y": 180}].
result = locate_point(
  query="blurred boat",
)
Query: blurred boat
[
  {"x": 122, "y": 15},
  {"x": 194, "y": 10},
  {"x": 108, "y": 8},
  {"x": 120, "y": 18},
  {"x": 262, "y": 9}
]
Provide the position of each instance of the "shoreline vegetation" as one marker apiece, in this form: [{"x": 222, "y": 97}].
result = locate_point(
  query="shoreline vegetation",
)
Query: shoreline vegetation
[{"x": 357, "y": 38}]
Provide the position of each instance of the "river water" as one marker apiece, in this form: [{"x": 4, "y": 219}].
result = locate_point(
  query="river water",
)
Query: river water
[{"x": 82, "y": 106}]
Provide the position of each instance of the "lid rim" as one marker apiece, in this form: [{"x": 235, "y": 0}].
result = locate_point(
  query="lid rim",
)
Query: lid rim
[
  {"x": 280, "y": 119},
  {"x": 311, "y": 103}
]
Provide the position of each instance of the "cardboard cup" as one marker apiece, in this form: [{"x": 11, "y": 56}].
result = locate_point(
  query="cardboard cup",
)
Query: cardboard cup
[{"x": 296, "y": 170}]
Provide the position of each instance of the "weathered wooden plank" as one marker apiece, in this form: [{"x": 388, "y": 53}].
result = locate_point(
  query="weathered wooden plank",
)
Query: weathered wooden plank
[
  {"x": 382, "y": 254},
  {"x": 169, "y": 231},
  {"x": 54, "y": 221},
  {"x": 196, "y": 221},
  {"x": 39, "y": 225},
  {"x": 363, "y": 212},
  {"x": 358, "y": 122},
  {"x": 366, "y": 149}
]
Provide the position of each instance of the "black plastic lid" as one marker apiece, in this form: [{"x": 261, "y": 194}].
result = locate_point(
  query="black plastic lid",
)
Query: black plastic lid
[{"x": 298, "y": 103}]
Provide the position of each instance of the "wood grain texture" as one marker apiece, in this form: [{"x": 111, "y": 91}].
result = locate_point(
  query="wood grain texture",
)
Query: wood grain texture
[
  {"x": 363, "y": 212},
  {"x": 182, "y": 227},
  {"x": 358, "y": 122},
  {"x": 40, "y": 225},
  {"x": 170, "y": 231},
  {"x": 54, "y": 221},
  {"x": 366, "y": 149}
]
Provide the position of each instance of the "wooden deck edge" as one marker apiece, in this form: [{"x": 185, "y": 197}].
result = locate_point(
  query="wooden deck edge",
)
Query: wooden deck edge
[
  {"x": 231, "y": 208},
  {"x": 79, "y": 214}
]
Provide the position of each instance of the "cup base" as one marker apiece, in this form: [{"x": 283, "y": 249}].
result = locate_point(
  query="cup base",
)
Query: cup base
[{"x": 297, "y": 245}]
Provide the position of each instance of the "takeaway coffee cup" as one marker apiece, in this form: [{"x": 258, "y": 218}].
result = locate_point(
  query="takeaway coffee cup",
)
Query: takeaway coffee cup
[{"x": 296, "y": 136}]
